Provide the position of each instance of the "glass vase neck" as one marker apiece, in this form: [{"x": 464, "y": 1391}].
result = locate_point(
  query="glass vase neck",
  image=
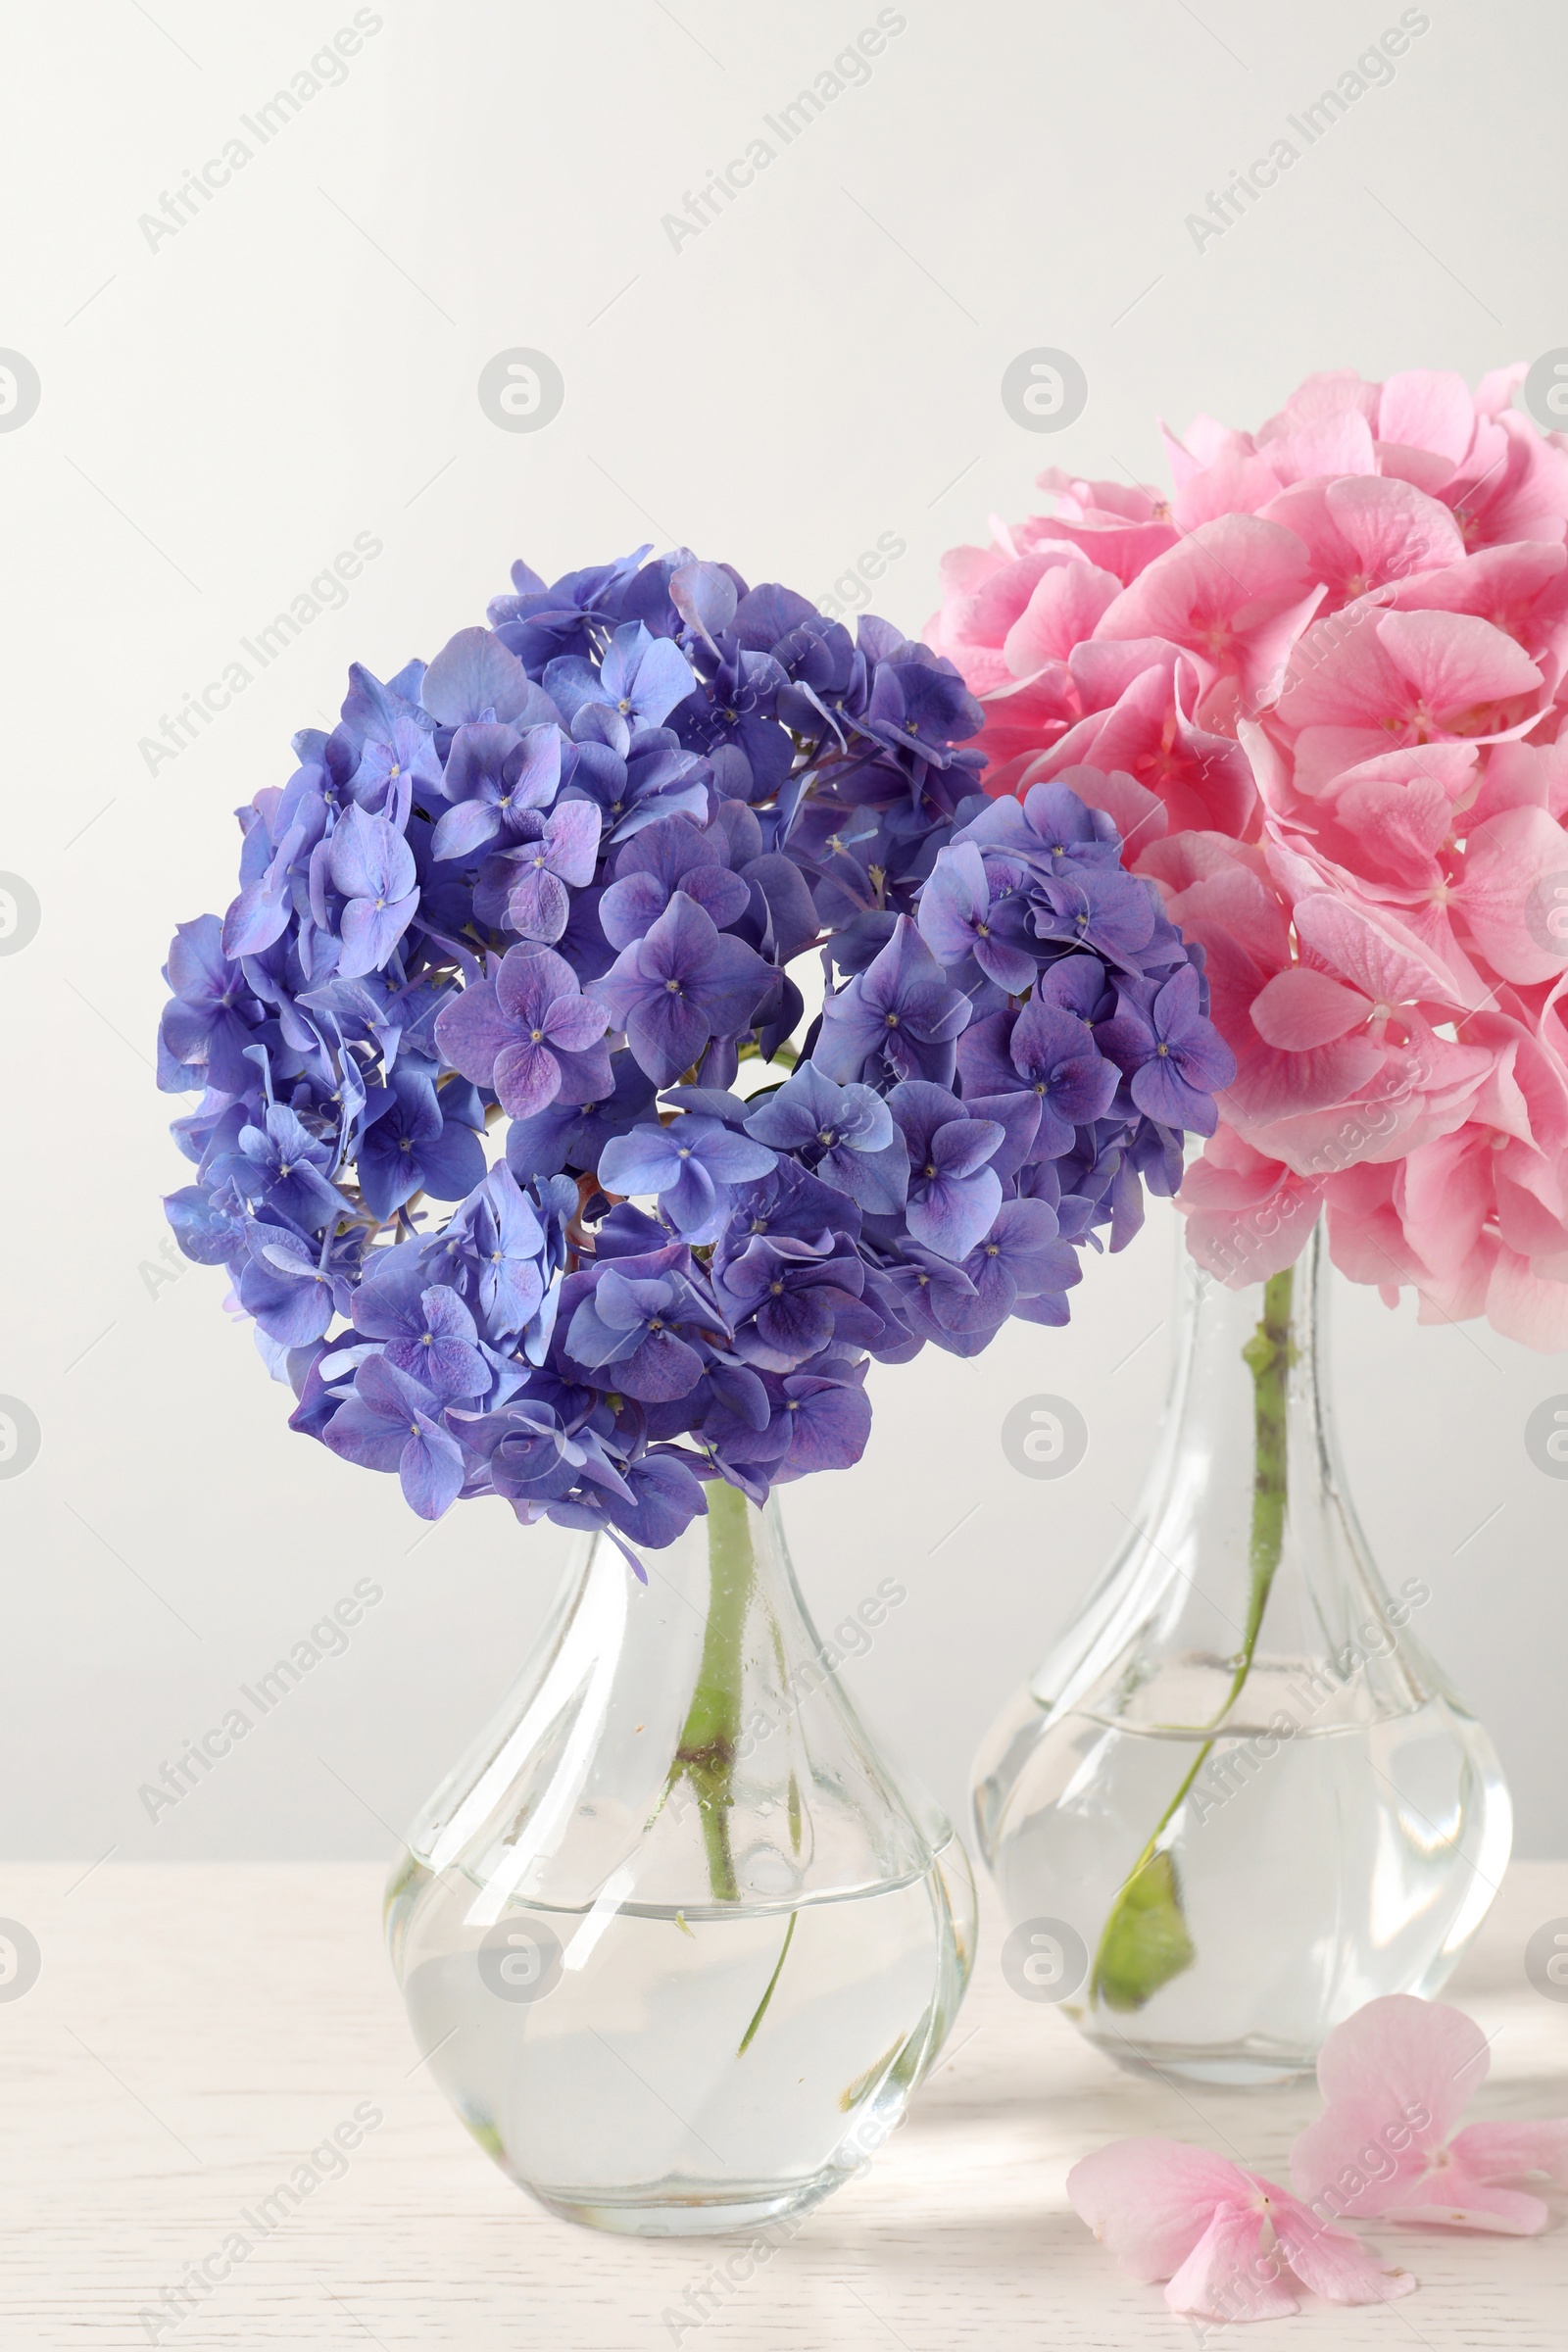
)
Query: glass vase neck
[{"x": 1244, "y": 1547}]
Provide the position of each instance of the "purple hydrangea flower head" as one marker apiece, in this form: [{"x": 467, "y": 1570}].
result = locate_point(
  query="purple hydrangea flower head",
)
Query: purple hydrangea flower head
[
  {"x": 210, "y": 1017},
  {"x": 557, "y": 885},
  {"x": 566, "y": 850},
  {"x": 474, "y": 678},
  {"x": 571, "y": 615},
  {"x": 634, "y": 782},
  {"x": 295, "y": 1284},
  {"x": 573, "y": 1135},
  {"x": 428, "y": 1330},
  {"x": 789, "y": 1299},
  {"x": 441, "y": 1350},
  {"x": 494, "y": 1252},
  {"x": 1112, "y": 913},
  {"x": 642, "y": 1315},
  {"x": 918, "y": 702},
  {"x": 280, "y": 1163},
  {"x": 825, "y": 1424},
  {"x": 533, "y": 1460},
  {"x": 705, "y": 597},
  {"x": 385, "y": 739},
  {"x": 1022, "y": 1256}
]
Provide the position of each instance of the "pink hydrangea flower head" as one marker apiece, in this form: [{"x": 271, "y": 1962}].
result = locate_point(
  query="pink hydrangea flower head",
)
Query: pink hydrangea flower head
[{"x": 1323, "y": 691}]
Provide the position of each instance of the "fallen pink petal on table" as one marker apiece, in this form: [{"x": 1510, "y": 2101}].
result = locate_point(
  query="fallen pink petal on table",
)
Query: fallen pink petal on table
[
  {"x": 1396, "y": 2076},
  {"x": 1231, "y": 2245}
]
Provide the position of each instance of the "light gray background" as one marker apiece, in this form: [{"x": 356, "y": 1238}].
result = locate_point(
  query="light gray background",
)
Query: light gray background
[{"x": 225, "y": 411}]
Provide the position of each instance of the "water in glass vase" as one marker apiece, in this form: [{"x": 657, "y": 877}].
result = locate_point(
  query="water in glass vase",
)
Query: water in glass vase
[
  {"x": 713, "y": 2064},
  {"x": 1239, "y": 1781},
  {"x": 678, "y": 1946},
  {"x": 1313, "y": 1870}
]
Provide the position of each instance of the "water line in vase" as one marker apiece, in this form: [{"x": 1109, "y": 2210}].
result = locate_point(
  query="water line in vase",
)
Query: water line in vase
[{"x": 1145, "y": 1941}]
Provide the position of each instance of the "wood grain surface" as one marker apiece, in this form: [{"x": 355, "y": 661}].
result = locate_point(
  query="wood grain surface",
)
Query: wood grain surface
[{"x": 195, "y": 2031}]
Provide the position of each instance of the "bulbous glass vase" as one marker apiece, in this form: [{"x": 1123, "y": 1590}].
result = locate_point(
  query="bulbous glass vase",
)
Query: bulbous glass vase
[
  {"x": 678, "y": 1946},
  {"x": 1238, "y": 1799}
]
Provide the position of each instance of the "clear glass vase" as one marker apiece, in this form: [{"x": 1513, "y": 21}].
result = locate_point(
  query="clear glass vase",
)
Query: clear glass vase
[
  {"x": 1238, "y": 1799},
  {"x": 680, "y": 1947}
]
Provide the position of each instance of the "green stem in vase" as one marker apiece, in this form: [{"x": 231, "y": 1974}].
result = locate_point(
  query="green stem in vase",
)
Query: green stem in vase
[
  {"x": 711, "y": 1734},
  {"x": 1145, "y": 1941}
]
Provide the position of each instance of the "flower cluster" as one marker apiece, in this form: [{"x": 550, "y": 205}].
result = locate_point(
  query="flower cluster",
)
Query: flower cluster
[
  {"x": 506, "y": 941},
  {"x": 1322, "y": 691}
]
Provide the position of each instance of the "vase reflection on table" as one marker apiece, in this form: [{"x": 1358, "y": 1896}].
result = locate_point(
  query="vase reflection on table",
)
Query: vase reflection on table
[
  {"x": 680, "y": 1949},
  {"x": 1238, "y": 1799}
]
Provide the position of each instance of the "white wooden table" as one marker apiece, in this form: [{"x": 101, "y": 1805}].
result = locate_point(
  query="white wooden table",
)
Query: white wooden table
[{"x": 196, "y": 2031}]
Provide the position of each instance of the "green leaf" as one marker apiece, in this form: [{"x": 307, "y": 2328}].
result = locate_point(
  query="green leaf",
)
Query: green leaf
[{"x": 1146, "y": 1940}]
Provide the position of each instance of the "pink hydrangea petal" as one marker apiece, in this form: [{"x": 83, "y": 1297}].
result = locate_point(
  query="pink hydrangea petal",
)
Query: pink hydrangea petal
[
  {"x": 1341, "y": 675},
  {"x": 1347, "y": 2166},
  {"x": 1506, "y": 2150},
  {"x": 1335, "y": 444},
  {"x": 1428, "y": 407},
  {"x": 1064, "y": 607},
  {"x": 1455, "y": 660},
  {"x": 1393, "y": 528},
  {"x": 1514, "y": 861},
  {"x": 1138, "y": 817},
  {"x": 1333, "y": 2263},
  {"x": 1372, "y": 953},
  {"x": 1234, "y": 480},
  {"x": 1151, "y": 2200},
  {"x": 1228, "y": 2277},
  {"x": 1396, "y": 2078},
  {"x": 1425, "y": 2051},
  {"x": 1235, "y": 593},
  {"x": 1455, "y": 2198},
  {"x": 1524, "y": 1306},
  {"x": 1300, "y": 1009}
]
